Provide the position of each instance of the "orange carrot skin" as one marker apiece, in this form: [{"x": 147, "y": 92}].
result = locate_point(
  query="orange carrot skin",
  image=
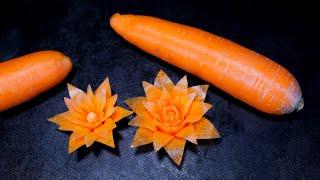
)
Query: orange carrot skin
[
  {"x": 244, "y": 74},
  {"x": 27, "y": 76}
]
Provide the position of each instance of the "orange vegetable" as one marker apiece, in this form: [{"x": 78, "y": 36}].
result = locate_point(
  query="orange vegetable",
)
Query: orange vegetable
[
  {"x": 27, "y": 76},
  {"x": 171, "y": 114},
  {"x": 246, "y": 75},
  {"x": 91, "y": 116}
]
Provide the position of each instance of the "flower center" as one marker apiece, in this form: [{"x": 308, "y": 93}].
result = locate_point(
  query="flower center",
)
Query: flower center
[
  {"x": 170, "y": 116},
  {"x": 91, "y": 117},
  {"x": 170, "y": 121}
]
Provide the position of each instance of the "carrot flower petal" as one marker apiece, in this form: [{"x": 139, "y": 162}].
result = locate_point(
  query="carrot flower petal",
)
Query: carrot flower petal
[
  {"x": 162, "y": 80},
  {"x": 73, "y": 91},
  {"x": 197, "y": 110},
  {"x": 160, "y": 139},
  {"x": 106, "y": 138},
  {"x": 152, "y": 93},
  {"x": 200, "y": 90},
  {"x": 181, "y": 88},
  {"x": 104, "y": 88},
  {"x": 139, "y": 121},
  {"x": 152, "y": 108},
  {"x": 188, "y": 133},
  {"x": 109, "y": 108},
  {"x": 182, "y": 83},
  {"x": 119, "y": 113},
  {"x": 89, "y": 139},
  {"x": 75, "y": 143},
  {"x": 187, "y": 103},
  {"x": 175, "y": 149},
  {"x": 136, "y": 105},
  {"x": 143, "y": 136},
  {"x": 204, "y": 129}
]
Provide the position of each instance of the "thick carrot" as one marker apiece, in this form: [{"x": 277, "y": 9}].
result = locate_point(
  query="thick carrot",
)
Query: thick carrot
[
  {"x": 27, "y": 76},
  {"x": 246, "y": 75}
]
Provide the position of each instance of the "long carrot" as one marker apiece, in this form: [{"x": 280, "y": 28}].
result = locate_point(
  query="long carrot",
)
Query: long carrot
[
  {"x": 246, "y": 75},
  {"x": 27, "y": 76}
]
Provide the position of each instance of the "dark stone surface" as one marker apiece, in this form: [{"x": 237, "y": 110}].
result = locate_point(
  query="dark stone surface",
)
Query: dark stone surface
[{"x": 253, "y": 145}]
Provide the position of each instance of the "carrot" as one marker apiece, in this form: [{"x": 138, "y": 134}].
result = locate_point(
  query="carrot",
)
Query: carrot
[
  {"x": 27, "y": 76},
  {"x": 244, "y": 74}
]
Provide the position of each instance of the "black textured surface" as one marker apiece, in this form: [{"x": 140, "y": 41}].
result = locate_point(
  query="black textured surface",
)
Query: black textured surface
[{"x": 253, "y": 145}]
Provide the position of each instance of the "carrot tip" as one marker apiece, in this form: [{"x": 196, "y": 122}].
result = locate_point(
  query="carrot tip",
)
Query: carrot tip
[{"x": 112, "y": 18}]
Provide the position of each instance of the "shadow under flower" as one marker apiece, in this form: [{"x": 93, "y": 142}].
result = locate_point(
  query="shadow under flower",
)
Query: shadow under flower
[
  {"x": 144, "y": 149},
  {"x": 188, "y": 147},
  {"x": 97, "y": 147}
]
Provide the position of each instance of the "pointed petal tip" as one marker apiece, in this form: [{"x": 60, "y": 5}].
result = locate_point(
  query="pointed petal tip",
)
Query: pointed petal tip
[
  {"x": 156, "y": 149},
  {"x": 142, "y": 136},
  {"x": 127, "y": 112},
  {"x": 89, "y": 88},
  {"x": 132, "y": 101},
  {"x": 144, "y": 83},
  {"x": 69, "y": 85},
  {"x": 53, "y": 120},
  {"x": 89, "y": 144},
  {"x": 204, "y": 129},
  {"x": 209, "y": 105},
  {"x": 175, "y": 150},
  {"x": 182, "y": 86},
  {"x": 66, "y": 100},
  {"x": 218, "y": 136},
  {"x": 195, "y": 142},
  {"x": 163, "y": 80},
  {"x": 177, "y": 161},
  {"x": 160, "y": 72},
  {"x": 71, "y": 150},
  {"x": 200, "y": 90},
  {"x": 128, "y": 101},
  {"x": 73, "y": 90},
  {"x": 112, "y": 145},
  {"x": 106, "y": 80},
  {"x": 205, "y": 88},
  {"x": 104, "y": 88},
  {"x": 131, "y": 122},
  {"x": 184, "y": 78}
]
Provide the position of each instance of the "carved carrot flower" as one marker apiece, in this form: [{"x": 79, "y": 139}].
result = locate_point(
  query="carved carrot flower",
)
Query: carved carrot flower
[
  {"x": 171, "y": 114},
  {"x": 91, "y": 116}
]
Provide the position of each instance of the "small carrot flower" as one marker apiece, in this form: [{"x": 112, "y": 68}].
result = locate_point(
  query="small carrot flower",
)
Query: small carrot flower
[
  {"x": 171, "y": 114},
  {"x": 91, "y": 116}
]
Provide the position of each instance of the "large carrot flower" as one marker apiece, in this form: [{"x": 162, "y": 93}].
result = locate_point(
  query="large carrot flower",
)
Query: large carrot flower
[
  {"x": 171, "y": 114},
  {"x": 91, "y": 116}
]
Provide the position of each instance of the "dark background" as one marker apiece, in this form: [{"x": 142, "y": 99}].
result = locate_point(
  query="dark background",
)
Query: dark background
[{"x": 253, "y": 145}]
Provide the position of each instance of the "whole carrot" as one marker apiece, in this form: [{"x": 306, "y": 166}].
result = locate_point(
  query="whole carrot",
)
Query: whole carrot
[
  {"x": 27, "y": 76},
  {"x": 246, "y": 75}
]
